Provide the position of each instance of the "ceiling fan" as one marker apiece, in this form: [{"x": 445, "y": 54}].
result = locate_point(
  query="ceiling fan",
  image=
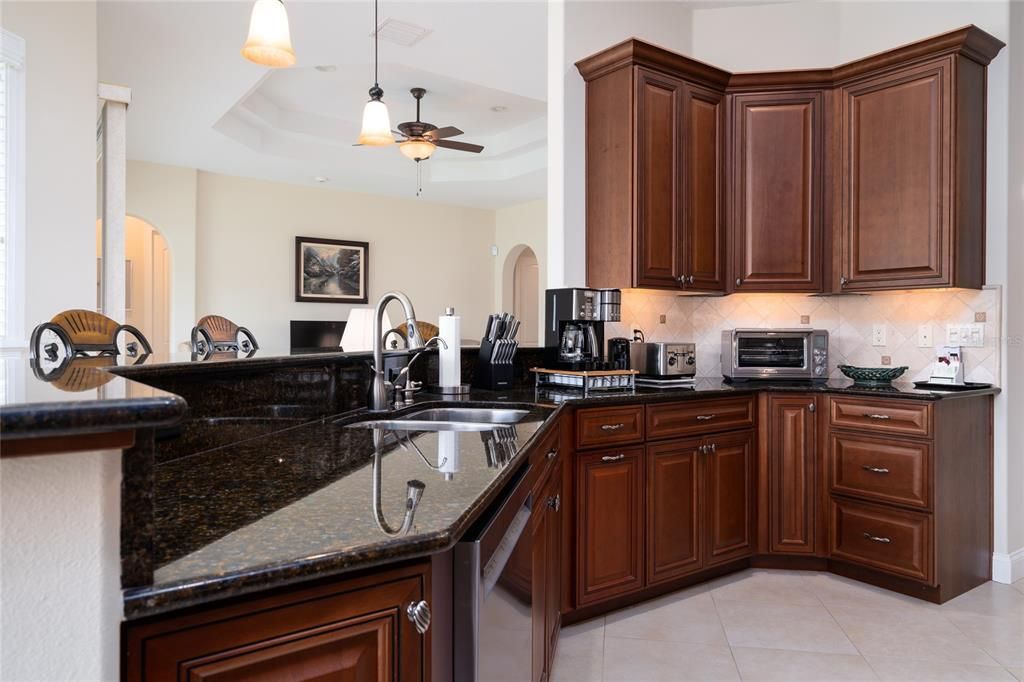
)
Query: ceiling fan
[{"x": 422, "y": 138}]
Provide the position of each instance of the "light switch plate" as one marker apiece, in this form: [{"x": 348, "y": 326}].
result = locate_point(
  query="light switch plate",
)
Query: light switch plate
[
  {"x": 925, "y": 336},
  {"x": 966, "y": 335},
  {"x": 878, "y": 335}
]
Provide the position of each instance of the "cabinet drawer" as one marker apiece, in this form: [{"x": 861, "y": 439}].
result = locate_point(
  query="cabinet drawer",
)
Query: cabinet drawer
[
  {"x": 885, "y": 538},
  {"x": 609, "y": 426},
  {"x": 884, "y": 416},
  {"x": 694, "y": 417},
  {"x": 881, "y": 469}
]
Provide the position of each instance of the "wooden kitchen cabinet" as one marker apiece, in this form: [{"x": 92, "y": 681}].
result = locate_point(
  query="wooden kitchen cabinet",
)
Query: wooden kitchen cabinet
[
  {"x": 547, "y": 573},
  {"x": 354, "y": 629},
  {"x": 655, "y": 170},
  {"x": 673, "y": 509},
  {"x": 793, "y": 478},
  {"x": 728, "y": 515},
  {"x": 777, "y": 178},
  {"x": 609, "y": 524}
]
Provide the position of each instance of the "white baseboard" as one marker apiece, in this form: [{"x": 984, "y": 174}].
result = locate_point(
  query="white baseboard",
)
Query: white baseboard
[{"x": 1008, "y": 568}]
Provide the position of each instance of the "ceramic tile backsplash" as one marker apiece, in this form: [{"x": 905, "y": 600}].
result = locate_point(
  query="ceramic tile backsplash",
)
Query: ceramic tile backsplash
[{"x": 849, "y": 320}]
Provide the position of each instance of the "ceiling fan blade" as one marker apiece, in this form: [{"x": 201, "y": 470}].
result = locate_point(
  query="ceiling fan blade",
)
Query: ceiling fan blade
[
  {"x": 459, "y": 146},
  {"x": 441, "y": 133}
]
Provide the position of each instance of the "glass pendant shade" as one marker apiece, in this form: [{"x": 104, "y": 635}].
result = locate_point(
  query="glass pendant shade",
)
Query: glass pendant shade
[
  {"x": 417, "y": 150},
  {"x": 376, "y": 130},
  {"x": 269, "y": 42}
]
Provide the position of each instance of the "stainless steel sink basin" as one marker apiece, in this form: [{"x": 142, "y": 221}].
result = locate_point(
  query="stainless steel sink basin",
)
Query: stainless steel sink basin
[{"x": 448, "y": 419}]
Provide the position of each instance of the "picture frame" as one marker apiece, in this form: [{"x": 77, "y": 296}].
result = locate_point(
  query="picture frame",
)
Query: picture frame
[{"x": 331, "y": 270}]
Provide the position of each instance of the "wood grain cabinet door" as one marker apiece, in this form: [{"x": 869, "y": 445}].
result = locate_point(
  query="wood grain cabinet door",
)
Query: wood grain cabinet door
[
  {"x": 896, "y": 196},
  {"x": 552, "y": 498},
  {"x": 792, "y": 471},
  {"x": 777, "y": 173},
  {"x": 609, "y": 523},
  {"x": 673, "y": 489},
  {"x": 728, "y": 497},
  {"x": 658, "y": 177},
  {"x": 703, "y": 261}
]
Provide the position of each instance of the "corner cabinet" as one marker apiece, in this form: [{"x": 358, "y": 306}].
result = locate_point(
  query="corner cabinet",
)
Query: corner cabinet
[
  {"x": 865, "y": 176},
  {"x": 791, "y": 477},
  {"x": 655, "y": 172}
]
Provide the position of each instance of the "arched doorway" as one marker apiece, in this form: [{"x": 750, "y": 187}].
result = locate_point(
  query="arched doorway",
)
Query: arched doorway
[
  {"x": 526, "y": 294},
  {"x": 147, "y": 274}
]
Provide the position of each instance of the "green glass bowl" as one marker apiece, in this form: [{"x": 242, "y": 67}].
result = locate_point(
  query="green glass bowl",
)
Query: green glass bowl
[{"x": 872, "y": 376}]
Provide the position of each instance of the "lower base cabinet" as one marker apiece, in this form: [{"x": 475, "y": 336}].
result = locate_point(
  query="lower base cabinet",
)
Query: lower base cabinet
[
  {"x": 728, "y": 497},
  {"x": 546, "y": 599},
  {"x": 673, "y": 510},
  {"x": 357, "y": 629}
]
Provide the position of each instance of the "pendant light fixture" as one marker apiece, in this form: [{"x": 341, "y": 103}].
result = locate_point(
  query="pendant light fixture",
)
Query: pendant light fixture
[
  {"x": 270, "y": 41},
  {"x": 376, "y": 130},
  {"x": 417, "y": 150}
]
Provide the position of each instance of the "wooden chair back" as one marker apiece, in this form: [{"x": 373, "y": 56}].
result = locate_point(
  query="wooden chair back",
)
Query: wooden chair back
[
  {"x": 86, "y": 331},
  {"x": 215, "y": 333}
]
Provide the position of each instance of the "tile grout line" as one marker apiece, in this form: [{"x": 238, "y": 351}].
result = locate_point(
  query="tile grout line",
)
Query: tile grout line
[
  {"x": 721, "y": 624},
  {"x": 846, "y": 634}
]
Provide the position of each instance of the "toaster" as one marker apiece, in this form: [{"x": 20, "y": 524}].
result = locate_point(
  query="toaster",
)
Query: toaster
[{"x": 662, "y": 359}]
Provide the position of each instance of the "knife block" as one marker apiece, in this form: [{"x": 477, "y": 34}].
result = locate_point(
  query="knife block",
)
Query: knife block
[{"x": 489, "y": 374}]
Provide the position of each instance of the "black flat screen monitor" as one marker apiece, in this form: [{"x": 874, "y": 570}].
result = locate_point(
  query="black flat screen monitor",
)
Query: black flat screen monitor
[{"x": 314, "y": 336}]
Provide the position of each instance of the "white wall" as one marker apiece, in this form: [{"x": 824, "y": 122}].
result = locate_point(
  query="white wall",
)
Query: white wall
[
  {"x": 60, "y": 154},
  {"x": 165, "y": 197},
  {"x": 809, "y": 35},
  {"x": 514, "y": 228},
  {"x": 245, "y": 252},
  {"x": 60, "y": 571},
  {"x": 577, "y": 30}
]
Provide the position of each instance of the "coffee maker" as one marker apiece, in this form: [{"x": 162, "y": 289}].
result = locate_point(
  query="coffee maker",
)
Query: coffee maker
[{"x": 574, "y": 326}]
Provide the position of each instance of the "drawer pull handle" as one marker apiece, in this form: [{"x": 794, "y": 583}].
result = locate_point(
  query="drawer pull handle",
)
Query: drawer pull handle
[
  {"x": 555, "y": 502},
  {"x": 876, "y": 538},
  {"x": 552, "y": 453},
  {"x": 714, "y": 448},
  {"x": 419, "y": 613},
  {"x": 705, "y": 417},
  {"x": 611, "y": 427},
  {"x": 875, "y": 470},
  {"x": 613, "y": 458},
  {"x": 881, "y": 417}
]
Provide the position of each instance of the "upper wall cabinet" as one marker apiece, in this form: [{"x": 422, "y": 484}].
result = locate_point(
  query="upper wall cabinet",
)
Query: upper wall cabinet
[
  {"x": 655, "y": 170},
  {"x": 868, "y": 176}
]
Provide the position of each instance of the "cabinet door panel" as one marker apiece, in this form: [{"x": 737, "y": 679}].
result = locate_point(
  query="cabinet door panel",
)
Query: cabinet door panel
[
  {"x": 657, "y": 179},
  {"x": 673, "y": 487},
  {"x": 728, "y": 497},
  {"x": 553, "y": 567},
  {"x": 609, "y": 524},
  {"x": 703, "y": 195},
  {"x": 777, "y": 174},
  {"x": 896, "y": 185},
  {"x": 792, "y": 472}
]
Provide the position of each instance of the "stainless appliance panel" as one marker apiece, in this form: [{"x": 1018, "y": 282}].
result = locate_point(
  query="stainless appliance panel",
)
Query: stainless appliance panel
[
  {"x": 775, "y": 354},
  {"x": 661, "y": 359}
]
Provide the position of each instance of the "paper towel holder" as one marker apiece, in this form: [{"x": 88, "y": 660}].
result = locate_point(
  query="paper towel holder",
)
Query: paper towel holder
[{"x": 449, "y": 391}]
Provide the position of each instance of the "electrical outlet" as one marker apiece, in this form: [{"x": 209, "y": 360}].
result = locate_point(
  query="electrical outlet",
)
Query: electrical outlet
[
  {"x": 886, "y": 360},
  {"x": 966, "y": 335},
  {"x": 878, "y": 335},
  {"x": 925, "y": 336}
]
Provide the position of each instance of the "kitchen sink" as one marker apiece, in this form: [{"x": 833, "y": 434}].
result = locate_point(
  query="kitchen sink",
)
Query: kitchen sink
[{"x": 447, "y": 419}]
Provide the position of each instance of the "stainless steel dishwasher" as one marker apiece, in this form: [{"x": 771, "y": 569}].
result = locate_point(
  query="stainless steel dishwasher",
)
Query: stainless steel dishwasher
[{"x": 492, "y": 580}]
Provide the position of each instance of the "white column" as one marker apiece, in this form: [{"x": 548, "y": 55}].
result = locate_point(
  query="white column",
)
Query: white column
[{"x": 113, "y": 169}]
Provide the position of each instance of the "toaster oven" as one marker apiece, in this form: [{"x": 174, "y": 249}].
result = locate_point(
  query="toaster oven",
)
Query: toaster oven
[{"x": 775, "y": 354}]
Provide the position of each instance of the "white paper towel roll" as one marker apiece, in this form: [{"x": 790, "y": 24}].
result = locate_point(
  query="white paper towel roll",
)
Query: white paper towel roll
[{"x": 450, "y": 326}]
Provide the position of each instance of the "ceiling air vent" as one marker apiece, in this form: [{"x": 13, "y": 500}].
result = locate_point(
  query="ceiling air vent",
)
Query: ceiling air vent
[{"x": 401, "y": 32}]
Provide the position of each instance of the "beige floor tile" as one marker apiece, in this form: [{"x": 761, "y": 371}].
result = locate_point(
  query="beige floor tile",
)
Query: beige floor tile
[
  {"x": 775, "y": 664},
  {"x": 990, "y": 599},
  {"x": 1002, "y": 638},
  {"x": 681, "y": 617},
  {"x": 1019, "y": 586},
  {"x": 777, "y": 587},
  {"x": 908, "y": 670},
  {"x": 835, "y": 590},
  {"x": 908, "y": 633},
  {"x": 782, "y": 626},
  {"x": 580, "y": 653},
  {"x": 641, "y": 660}
]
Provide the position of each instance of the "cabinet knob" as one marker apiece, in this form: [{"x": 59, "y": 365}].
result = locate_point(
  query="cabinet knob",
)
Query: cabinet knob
[
  {"x": 877, "y": 538},
  {"x": 419, "y": 614},
  {"x": 811, "y": 407},
  {"x": 739, "y": 281},
  {"x": 552, "y": 453},
  {"x": 555, "y": 502},
  {"x": 843, "y": 281},
  {"x": 690, "y": 280},
  {"x": 613, "y": 458},
  {"x": 682, "y": 280},
  {"x": 714, "y": 448}
]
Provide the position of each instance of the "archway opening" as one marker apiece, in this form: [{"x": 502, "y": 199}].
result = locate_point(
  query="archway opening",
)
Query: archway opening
[{"x": 525, "y": 290}]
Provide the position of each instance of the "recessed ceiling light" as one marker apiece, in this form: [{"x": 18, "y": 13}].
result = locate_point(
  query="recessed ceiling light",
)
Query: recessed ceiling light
[
  {"x": 499, "y": 108},
  {"x": 321, "y": 179},
  {"x": 326, "y": 68}
]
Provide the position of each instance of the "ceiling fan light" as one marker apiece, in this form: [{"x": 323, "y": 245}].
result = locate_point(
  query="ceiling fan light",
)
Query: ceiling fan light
[
  {"x": 376, "y": 130},
  {"x": 270, "y": 41},
  {"x": 417, "y": 150}
]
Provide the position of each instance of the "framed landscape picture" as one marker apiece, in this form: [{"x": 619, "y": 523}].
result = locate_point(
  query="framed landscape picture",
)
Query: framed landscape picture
[{"x": 331, "y": 270}]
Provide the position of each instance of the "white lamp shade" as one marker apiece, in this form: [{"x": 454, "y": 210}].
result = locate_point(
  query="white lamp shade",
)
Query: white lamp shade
[
  {"x": 270, "y": 41},
  {"x": 358, "y": 334},
  {"x": 417, "y": 150},
  {"x": 376, "y": 129}
]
